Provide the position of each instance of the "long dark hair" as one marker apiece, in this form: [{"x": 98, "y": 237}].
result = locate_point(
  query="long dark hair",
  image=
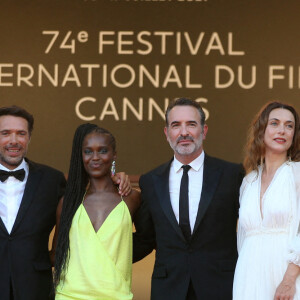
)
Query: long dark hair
[
  {"x": 255, "y": 149},
  {"x": 76, "y": 186}
]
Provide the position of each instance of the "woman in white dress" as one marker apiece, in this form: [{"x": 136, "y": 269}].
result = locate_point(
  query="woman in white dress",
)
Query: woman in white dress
[{"x": 268, "y": 229}]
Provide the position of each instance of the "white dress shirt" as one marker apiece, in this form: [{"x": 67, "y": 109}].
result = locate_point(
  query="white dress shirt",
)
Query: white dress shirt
[
  {"x": 195, "y": 186},
  {"x": 11, "y": 193}
]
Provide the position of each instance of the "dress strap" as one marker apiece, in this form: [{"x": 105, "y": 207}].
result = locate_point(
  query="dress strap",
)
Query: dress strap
[{"x": 83, "y": 196}]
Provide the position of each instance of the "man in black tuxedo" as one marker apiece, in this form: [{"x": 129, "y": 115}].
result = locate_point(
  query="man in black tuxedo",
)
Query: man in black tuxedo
[
  {"x": 29, "y": 194},
  {"x": 189, "y": 213}
]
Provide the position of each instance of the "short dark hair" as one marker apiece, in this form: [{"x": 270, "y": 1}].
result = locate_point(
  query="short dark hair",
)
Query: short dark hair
[
  {"x": 18, "y": 112},
  {"x": 185, "y": 102}
]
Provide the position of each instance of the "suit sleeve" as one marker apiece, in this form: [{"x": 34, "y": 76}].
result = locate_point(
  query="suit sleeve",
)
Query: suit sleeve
[{"x": 144, "y": 237}]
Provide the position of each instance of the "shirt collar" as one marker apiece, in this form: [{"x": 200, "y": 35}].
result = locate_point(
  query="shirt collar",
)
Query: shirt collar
[
  {"x": 196, "y": 164},
  {"x": 22, "y": 165}
]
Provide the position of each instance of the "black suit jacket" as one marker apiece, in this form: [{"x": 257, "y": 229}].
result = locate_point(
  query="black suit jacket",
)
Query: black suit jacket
[
  {"x": 209, "y": 258},
  {"x": 24, "y": 256}
]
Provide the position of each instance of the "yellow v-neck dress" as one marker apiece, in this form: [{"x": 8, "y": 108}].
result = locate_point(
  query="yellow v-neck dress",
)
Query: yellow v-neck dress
[{"x": 100, "y": 262}]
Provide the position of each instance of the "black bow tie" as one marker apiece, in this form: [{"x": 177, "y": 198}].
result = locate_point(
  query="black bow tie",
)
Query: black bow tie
[{"x": 19, "y": 174}]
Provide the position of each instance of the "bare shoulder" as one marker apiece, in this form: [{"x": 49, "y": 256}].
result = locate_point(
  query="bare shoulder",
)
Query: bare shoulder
[
  {"x": 133, "y": 197},
  {"x": 133, "y": 201}
]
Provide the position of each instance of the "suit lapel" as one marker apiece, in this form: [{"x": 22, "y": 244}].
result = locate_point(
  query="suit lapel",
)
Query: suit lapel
[
  {"x": 2, "y": 226},
  {"x": 161, "y": 185},
  {"x": 31, "y": 187},
  {"x": 211, "y": 177}
]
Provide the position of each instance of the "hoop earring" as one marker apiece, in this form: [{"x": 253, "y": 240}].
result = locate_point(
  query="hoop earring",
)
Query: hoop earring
[{"x": 113, "y": 168}]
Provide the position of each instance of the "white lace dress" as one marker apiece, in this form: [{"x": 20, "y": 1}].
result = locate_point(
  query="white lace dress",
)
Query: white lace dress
[{"x": 267, "y": 242}]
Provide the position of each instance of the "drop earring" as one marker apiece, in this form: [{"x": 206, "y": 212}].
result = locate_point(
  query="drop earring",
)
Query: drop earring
[{"x": 113, "y": 168}]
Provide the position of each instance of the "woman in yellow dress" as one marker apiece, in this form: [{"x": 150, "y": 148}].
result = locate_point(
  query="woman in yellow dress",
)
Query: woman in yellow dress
[{"x": 93, "y": 257}]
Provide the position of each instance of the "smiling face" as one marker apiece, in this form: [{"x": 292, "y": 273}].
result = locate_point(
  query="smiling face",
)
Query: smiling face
[
  {"x": 279, "y": 132},
  {"x": 97, "y": 154},
  {"x": 14, "y": 140},
  {"x": 185, "y": 133}
]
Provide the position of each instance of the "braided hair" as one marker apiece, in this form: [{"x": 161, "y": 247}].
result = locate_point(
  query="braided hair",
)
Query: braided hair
[{"x": 76, "y": 186}]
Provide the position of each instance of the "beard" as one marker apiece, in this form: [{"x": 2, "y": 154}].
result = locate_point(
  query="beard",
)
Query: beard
[
  {"x": 10, "y": 161},
  {"x": 189, "y": 149}
]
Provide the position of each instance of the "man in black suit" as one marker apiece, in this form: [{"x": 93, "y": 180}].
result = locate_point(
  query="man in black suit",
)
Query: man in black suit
[
  {"x": 29, "y": 194},
  {"x": 188, "y": 214}
]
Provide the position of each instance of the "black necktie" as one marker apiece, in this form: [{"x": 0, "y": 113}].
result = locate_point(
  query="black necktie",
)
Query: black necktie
[
  {"x": 19, "y": 174},
  {"x": 184, "y": 219}
]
